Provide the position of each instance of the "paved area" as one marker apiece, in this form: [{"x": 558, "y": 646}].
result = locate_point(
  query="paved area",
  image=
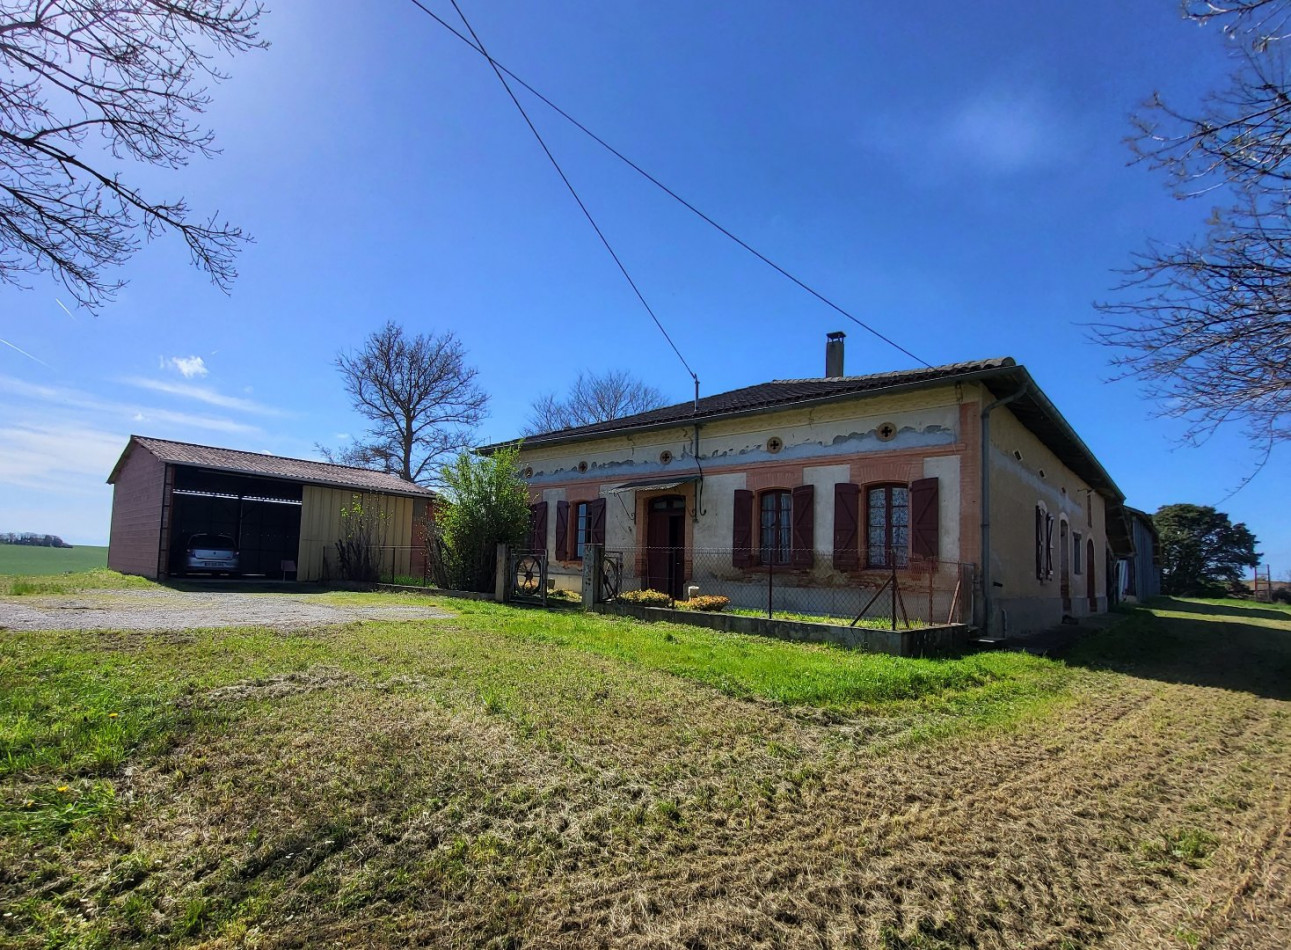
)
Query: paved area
[{"x": 165, "y": 609}]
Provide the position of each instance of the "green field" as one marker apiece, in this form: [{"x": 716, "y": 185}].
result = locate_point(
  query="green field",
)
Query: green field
[{"x": 22, "y": 559}]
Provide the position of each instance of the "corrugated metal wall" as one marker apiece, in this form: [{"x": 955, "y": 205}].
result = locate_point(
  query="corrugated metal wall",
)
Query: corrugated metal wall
[{"x": 321, "y": 527}]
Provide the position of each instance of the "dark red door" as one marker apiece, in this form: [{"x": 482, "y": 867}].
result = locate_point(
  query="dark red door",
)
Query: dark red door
[{"x": 666, "y": 544}]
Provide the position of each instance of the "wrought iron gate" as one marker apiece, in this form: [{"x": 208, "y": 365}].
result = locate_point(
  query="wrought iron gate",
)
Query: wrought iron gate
[
  {"x": 529, "y": 577},
  {"x": 609, "y": 582}
]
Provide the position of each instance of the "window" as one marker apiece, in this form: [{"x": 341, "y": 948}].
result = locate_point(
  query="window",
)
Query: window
[
  {"x": 888, "y": 526},
  {"x": 1076, "y": 554},
  {"x": 1043, "y": 543},
  {"x": 581, "y": 524},
  {"x": 774, "y": 537}
]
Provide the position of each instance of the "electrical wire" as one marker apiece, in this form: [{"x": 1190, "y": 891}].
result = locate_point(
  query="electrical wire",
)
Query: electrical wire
[
  {"x": 650, "y": 178},
  {"x": 568, "y": 184}
]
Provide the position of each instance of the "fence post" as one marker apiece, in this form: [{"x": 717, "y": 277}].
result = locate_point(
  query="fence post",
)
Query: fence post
[
  {"x": 502, "y": 575},
  {"x": 770, "y": 584},
  {"x": 892, "y": 559},
  {"x": 591, "y": 574}
]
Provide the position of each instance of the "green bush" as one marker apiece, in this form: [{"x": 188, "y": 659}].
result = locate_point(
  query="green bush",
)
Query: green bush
[
  {"x": 645, "y": 598},
  {"x": 709, "y": 603}
]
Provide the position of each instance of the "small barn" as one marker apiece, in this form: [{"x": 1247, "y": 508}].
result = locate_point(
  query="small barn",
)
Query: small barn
[{"x": 284, "y": 514}]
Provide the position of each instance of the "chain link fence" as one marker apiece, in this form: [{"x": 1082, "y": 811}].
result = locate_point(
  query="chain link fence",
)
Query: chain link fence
[{"x": 909, "y": 592}]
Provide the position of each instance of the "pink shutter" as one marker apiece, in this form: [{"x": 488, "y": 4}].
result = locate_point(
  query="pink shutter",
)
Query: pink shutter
[
  {"x": 562, "y": 531},
  {"x": 742, "y": 531},
  {"x": 924, "y": 527},
  {"x": 596, "y": 522},
  {"x": 847, "y": 524},
  {"x": 802, "y": 518}
]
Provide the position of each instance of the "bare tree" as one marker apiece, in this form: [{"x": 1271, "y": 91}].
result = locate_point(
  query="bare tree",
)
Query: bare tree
[
  {"x": 593, "y": 398},
  {"x": 420, "y": 398},
  {"x": 1207, "y": 325},
  {"x": 84, "y": 84}
]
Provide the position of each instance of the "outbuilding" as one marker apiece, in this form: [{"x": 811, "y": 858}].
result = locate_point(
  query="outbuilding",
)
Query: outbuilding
[{"x": 285, "y": 515}]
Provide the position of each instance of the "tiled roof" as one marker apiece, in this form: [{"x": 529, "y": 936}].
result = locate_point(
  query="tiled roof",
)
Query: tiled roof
[
  {"x": 272, "y": 466},
  {"x": 777, "y": 393}
]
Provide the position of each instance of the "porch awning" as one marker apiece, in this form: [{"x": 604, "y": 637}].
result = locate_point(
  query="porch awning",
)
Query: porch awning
[{"x": 654, "y": 484}]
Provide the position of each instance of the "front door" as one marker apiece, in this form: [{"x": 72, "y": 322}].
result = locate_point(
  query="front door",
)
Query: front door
[{"x": 666, "y": 544}]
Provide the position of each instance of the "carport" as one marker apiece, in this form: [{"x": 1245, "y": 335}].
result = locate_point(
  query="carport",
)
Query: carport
[{"x": 283, "y": 514}]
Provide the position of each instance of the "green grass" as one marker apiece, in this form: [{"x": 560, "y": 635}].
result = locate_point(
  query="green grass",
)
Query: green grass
[
  {"x": 471, "y": 780},
  {"x": 41, "y": 584},
  {"x": 24, "y": 559}
]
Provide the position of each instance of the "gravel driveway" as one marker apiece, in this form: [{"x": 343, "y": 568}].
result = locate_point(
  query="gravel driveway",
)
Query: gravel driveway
[{"x": 163, "y": 609}]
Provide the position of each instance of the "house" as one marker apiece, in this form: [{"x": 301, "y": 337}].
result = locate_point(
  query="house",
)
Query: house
[
  {"x": 1138, "y": 573},
  {"x": 283, "y": 514},
  {"x": 962, "y": 484}
]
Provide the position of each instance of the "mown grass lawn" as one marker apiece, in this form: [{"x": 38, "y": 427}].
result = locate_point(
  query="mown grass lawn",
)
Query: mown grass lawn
[{"x": 508, "y": 777}]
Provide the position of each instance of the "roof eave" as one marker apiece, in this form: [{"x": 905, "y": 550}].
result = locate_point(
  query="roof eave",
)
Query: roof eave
[{"x": 541, "y": 442}]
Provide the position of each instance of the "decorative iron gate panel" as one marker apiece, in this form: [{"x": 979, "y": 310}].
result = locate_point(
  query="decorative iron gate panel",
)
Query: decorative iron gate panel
[
  {"x": 529, "y": 578},
  {"x": 609, "y": 583}
]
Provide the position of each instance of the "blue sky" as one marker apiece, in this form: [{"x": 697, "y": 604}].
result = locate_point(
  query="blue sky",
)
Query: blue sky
[{"x": 955, "y": 174}]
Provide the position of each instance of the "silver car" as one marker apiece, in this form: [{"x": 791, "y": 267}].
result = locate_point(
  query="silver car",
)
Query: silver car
[{"x": 214, "y": 553}]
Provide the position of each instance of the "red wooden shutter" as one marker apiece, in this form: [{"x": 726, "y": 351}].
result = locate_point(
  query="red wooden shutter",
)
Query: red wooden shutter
[
  {"x": 802, "y": 517},
  {"x": 847, "y": 524},
  {"x": 1048, "y": 546},
  {"x": 1040, "y": 542},
  {"x": 924, "y": 526},
  {"x": 596, "y": 522},
  {"x": 538, "y": 526},
  {"x": 562, "y": 531},
  {"x": 742, "y": 532}
]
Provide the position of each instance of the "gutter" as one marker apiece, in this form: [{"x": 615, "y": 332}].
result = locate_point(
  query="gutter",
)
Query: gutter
[{"x": 985, "y": 572}]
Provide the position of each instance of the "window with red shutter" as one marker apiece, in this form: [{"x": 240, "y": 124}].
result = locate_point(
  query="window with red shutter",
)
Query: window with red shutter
[
  {"x": 847, "y": 523},
  {"x": 804, "y": 527},
  {"x": 562, "y": 531},
  {"x": 538, "y": 526},
  {"x": 596, "y": 522},
  {"x": 924, "y": 523},
  {"x": 742, "y": 529}
]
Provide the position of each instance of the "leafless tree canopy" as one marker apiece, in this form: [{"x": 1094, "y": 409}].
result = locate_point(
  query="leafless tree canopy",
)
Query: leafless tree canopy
[
  {"x": 85, "y": 84},
  {"x": 420, "y": 398},
  {"x": 593, "y": 398},
  {"x": 1207, "y": 324}
]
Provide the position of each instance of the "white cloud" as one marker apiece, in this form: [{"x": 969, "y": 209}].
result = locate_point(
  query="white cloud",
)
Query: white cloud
[
  {"x": 64, "y": 457},
  {"x": 203, "y": 394},
  {"x": 1006, "y": 130},
  {"x": 48, "y": 400},
  {"x": 189, "y": 366}
]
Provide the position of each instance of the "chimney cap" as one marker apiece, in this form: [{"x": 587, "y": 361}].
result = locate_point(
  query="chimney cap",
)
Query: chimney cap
[{"x": 836, "y": 335}]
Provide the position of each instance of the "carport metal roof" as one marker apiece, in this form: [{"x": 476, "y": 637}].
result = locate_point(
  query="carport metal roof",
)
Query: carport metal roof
[{"x": 270, "y": 466}]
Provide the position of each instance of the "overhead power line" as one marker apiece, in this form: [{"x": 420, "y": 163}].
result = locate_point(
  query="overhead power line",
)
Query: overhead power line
[
  {"x": 478, "y": 45},
  {"x": 500, "y": 68}
]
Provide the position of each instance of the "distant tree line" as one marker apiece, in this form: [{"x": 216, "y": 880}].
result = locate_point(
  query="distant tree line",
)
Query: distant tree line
[{"x": 33, "y": 540}]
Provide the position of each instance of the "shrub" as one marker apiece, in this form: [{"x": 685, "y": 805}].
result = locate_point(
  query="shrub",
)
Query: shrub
[
  {"x": 1282, "y": 595},
  {"x": 709, "y": 603},
  {"x": 645, "y": 598}
]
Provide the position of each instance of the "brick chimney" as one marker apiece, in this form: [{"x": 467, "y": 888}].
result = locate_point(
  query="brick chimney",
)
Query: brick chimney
[{"x": 834, "y": 354}]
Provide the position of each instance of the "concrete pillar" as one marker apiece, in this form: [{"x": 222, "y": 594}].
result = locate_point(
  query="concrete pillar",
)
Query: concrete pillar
[
  {"x": 592, "y": 554},
  {"x": 502, "y": 575}
]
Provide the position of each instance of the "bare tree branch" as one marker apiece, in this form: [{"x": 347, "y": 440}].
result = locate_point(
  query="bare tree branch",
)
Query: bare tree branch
[
  {"x": 593, "y": 398},
  {"x": 420, "y": 397},
  {"x": 1206, "y": 325},
  {"x": 85, "y": 84}
]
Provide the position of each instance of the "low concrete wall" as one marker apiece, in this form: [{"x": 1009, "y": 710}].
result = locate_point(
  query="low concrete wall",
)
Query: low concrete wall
[{"x": 925, "y": 641}]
